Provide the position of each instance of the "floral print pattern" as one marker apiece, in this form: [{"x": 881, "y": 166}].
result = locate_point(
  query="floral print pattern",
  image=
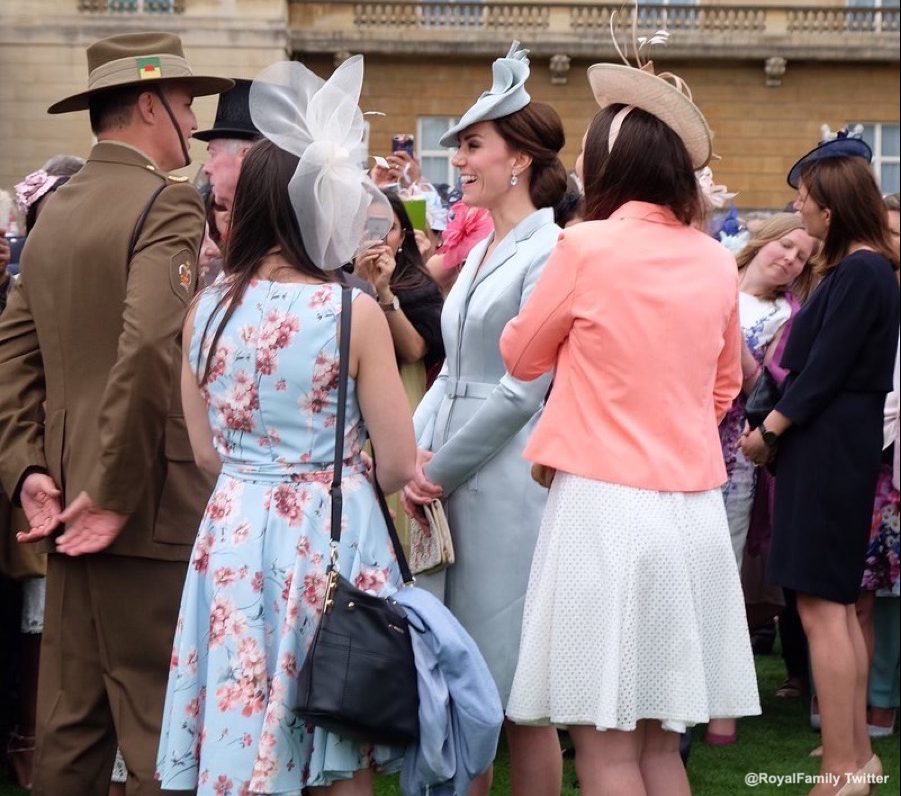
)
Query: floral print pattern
[
  {"x": 881, "y": 570},
  {"x": 256, "y": 579},
  {"x": 760, "y": 321}
]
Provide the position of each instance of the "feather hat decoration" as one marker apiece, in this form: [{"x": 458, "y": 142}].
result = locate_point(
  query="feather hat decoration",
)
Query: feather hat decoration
[{"x": 666, "y": 96}]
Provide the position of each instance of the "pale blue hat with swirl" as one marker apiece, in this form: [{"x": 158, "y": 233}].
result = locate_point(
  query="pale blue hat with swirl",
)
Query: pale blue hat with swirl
[{"x": 507, "y": 94}]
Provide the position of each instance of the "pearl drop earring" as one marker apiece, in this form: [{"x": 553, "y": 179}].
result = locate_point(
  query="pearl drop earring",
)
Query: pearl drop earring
[{"x": 513, "y": 178}]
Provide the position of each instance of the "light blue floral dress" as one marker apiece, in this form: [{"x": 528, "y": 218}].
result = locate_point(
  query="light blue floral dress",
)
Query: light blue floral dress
[{"x": 256, "y": 579}]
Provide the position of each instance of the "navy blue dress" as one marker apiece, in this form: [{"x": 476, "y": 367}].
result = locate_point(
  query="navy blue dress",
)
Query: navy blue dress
[{"x": 840, "y": 356}]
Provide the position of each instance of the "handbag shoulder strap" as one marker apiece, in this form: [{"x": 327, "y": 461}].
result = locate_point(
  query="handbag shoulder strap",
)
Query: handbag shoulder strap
[
  {"x": 139, "y": 225},
  {"x": 340, "y": 419}
]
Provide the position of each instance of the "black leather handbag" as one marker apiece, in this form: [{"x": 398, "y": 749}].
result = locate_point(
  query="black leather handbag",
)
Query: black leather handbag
[
  {"x": 359, "y": 677},
  {"x": 762, "y": 399}
]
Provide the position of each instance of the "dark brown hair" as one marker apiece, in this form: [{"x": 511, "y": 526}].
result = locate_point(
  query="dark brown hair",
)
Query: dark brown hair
[
  {"x": 847, "y": 188},
  {"x": 111, "y": 109},
  {"x": 651, "y": 165},
  {"x": 262, "y": 221},
  {"x": 537, "y": 131},
  {"x": 409, "y": 272}
]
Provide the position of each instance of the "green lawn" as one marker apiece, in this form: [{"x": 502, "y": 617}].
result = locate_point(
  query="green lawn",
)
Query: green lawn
[{"x": 778, "y": 742}]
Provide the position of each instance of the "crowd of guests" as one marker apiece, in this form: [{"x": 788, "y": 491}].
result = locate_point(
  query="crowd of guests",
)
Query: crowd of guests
[{"x": 563, "y": 359}]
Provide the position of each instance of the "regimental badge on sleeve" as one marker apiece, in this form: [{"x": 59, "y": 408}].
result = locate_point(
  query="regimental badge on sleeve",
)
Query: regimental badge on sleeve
[{"x": 183, "y": 275}]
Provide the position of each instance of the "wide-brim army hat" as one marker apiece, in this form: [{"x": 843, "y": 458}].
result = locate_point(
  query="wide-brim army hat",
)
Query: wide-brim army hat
[
  {"x": 665, "y": 96},
  {"x": 138, "y": 59},
  {"x": 233, "y": 115}
]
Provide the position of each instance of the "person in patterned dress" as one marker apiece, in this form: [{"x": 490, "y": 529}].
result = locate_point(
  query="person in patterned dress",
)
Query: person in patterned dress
[{"x": 260, "y": 386}]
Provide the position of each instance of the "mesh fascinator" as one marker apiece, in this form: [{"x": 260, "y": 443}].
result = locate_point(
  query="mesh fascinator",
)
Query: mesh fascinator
[
  {"x": 507, "y": 94},
  {"x": 338, "y": 208},
  {"x": 665, "y": 96},
  {"x": 841, "y": 144}
]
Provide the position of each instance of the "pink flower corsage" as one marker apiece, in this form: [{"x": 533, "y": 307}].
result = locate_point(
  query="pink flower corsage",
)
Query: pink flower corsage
[{"x": 469, "y": 226}]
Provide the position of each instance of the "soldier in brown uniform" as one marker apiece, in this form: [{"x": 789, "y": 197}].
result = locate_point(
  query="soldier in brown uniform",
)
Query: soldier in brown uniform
[{"x": 90, "y": 415}]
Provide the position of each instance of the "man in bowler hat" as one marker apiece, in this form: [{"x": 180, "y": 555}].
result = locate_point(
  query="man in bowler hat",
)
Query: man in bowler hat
[{"x": 91, "y": 418}]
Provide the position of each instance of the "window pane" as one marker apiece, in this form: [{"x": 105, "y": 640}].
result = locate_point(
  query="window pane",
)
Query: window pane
[
  {"x": 431, "y": 128},
  {"x": 891, "y": 140},
  {"x": 868, "y": 134},
  {"x": 890, "y": 179},
  {"x": 434, "y": 169}
]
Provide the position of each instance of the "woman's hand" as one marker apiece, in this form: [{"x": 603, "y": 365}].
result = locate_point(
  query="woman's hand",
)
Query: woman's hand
[
  {"x": 420, "y": 490},
  {"x": 543, "y": 475},
  {"x": 404, "y": 168},
  {"x": 423, "y": 243},
  {"x": 754, "y": 448},
  {"x": 376, "y": 265},
  {"x": 383, "y": 269}
]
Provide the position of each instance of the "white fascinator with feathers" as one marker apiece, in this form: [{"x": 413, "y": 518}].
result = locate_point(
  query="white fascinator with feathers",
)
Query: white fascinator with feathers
[{"x": 338, "y": 208}]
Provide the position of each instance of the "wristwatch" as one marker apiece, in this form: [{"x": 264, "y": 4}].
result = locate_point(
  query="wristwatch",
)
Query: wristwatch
[
  {"x": 391, "y": 306},
  {"x": 769, "y": 438}
]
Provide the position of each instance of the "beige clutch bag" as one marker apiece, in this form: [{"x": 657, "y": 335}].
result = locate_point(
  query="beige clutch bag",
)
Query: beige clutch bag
[{"x": 431, "y": 546}]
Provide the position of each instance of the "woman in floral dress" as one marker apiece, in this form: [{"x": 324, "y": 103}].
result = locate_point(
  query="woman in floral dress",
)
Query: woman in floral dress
[{"x": 260, "y": 385}]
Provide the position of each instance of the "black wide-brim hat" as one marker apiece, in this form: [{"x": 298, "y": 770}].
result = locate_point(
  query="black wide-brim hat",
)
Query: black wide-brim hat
[
  {"x": 138, "y": 59},
  {"x": 843, "y": 146},
  {"x": 233, "y": 115}
]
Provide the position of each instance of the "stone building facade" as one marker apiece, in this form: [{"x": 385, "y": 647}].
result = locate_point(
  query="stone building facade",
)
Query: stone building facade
[{"x": 767, "y": 77}]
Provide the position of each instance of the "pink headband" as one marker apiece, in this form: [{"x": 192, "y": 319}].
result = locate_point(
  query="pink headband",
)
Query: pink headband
[{"x": 32, "y": 188}]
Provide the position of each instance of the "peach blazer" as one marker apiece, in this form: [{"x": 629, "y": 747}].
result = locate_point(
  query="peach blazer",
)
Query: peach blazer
[{"x": 639, "y": 316}]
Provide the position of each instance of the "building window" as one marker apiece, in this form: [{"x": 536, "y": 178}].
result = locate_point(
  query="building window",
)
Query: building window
[
  {"x": 133, "y": 6},
  {"x": 434, "y": 158},
  {"x": 885, "y": 141},
  {"x": 451, "y": 13},
  {"x": 659, "y": 16},
  {"x": 871, "y": 16}
]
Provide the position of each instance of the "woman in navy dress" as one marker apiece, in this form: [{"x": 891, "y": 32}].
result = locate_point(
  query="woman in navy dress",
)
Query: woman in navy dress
[{"x": 828, "y": 430}]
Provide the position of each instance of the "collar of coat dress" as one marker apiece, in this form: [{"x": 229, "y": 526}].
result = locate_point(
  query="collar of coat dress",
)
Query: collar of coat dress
[{"x": 517, "y": 236}]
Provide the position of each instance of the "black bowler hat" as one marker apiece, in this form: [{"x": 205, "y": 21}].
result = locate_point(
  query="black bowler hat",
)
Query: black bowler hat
[{"x": 233, "y": 115}]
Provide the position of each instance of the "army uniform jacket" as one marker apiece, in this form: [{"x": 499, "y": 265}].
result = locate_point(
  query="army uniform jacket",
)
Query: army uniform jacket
[{"x": 90, "y": 351}]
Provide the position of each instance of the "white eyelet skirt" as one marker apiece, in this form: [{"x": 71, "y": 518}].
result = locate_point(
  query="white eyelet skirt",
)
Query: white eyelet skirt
[{"x": 634, "y": 611}]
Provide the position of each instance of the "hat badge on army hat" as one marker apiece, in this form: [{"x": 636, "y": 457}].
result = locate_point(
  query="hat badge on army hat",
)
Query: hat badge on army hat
[
  {"x": 137, "y": 59},
  {"x": 233, "y": 115}
]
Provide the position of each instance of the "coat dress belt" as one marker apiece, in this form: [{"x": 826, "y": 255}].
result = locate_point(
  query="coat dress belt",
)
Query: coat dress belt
[{"x": 459, "y": 388}]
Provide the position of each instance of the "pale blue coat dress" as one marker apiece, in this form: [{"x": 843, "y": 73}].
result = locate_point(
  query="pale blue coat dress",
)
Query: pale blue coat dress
[{"x": 476, "y": 419}]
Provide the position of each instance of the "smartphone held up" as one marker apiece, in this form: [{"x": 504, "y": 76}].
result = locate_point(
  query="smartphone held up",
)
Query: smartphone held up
[{"x": 403, "y": 142}]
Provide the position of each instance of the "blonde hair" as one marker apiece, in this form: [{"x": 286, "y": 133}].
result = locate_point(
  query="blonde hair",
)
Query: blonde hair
[{"x": 775, "y": 228}]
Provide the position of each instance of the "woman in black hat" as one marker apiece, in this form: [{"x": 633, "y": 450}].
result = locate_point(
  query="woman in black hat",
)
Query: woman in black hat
[{"x": 827, "y": 427}]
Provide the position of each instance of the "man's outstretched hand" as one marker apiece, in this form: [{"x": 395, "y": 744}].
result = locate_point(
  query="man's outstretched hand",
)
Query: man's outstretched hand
[
  {"x": 40, "y": 502},
  {"x": 89, "y": 529}
]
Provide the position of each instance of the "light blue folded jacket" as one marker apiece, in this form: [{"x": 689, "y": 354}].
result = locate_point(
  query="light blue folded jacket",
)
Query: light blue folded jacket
[{"x": 460, "y": 712}]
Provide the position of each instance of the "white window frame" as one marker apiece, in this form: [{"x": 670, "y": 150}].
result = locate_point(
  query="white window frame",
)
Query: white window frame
[
  {"x": 443, "y": 152},
  {"x": 878, "y": 158}
]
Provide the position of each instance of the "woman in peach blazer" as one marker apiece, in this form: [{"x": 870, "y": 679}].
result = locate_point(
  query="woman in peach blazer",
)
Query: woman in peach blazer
[{"x": 634, "y": 622}]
